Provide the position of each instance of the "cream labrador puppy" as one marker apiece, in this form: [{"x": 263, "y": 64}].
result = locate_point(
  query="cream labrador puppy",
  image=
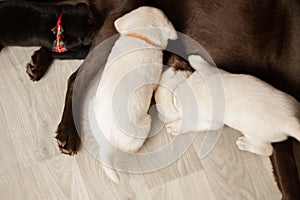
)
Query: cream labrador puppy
[
  {"x": 262, "y": 113},
  {"x": 129, "y": 79}
]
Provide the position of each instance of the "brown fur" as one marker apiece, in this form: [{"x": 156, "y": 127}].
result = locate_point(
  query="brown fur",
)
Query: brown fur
[
  {"x": 179, "y": 63},
  {"x": 260, "y": 35}
]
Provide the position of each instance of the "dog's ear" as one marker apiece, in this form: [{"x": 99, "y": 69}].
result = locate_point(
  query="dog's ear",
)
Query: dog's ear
[
  {"x": 149, "y": 22},
  {"x": 127, "y": 22},
  {"x": 120, "y": 24},
  {"x": 200, "y": 64},
  {"x": 196, "y": 60},
  {"x": 172, "y": 34}
]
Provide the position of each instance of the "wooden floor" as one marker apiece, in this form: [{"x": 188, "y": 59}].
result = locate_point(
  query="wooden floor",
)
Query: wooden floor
[{"x": 32, "y": 168}]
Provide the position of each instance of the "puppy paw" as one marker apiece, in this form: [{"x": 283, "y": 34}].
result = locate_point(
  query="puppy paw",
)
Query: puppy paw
[
  {"x": 171, "y": 79},
  {"x": 40, "y": 62},
  {"x": 264, "y": 149},
  {"x": 243, "y": 144},
  {"x": 67, "y": 139},
  {"x": 184, "y": 74},
  {"x": 168, "y": 74},
  {"x": 173, "y": 127}
]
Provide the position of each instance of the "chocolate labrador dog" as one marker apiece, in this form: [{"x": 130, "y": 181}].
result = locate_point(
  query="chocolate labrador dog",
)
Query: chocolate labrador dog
[
  {"x": 260, "y": 35},
  {"x": 62, "y": 30}
]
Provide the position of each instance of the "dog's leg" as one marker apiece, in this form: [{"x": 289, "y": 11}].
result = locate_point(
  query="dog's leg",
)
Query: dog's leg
[
  {"x": 43, "y": 58},
  {"x": 40, "y": 62},
  {"x": 285, "y": 170},
  {"x": 72, "y": 54},
  {"x": 67, "y": 137},
  {"x": 1, "y": 47}
]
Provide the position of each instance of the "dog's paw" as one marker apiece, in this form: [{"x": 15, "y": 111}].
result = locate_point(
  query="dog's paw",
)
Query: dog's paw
[
  {"x": 33, "y": 73},
  {"x": 171, "y": 79},
  {"x": 243, "y": 144},
  {"x": 67, "y": 139},
  {"x": 40, "y": 62},
  {"x": 173, "y": 127},
  {"x": 167, "y": 75},
  {"x": 264, "y": 149},
  {"x": 184, "y": 74}
]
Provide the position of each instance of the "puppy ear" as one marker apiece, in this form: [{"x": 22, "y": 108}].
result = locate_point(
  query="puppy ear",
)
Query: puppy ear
[
  {"x": 196, "y": 60},
  {"x": 127, "y": 22},
  {"x": 172, "y": 31},
  {"x": 120, "y": 25},
  {"x": 173, "y": 35},
  {"x": 200, "y": 64}
]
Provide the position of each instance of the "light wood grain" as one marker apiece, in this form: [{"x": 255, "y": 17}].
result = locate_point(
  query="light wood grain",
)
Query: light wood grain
[{"x": 32, "y": 168}]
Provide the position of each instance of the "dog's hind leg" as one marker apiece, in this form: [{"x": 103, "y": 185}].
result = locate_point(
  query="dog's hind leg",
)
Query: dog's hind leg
[{"x": 40, "y": 62}]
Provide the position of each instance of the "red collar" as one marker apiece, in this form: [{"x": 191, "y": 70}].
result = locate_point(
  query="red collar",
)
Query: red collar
[
  {"x": 58, "y": 44},
  {"x": 141, "y": 37}
]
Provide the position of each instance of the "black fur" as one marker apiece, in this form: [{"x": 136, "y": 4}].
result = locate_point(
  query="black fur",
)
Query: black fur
[{"x": 30, "y": 23}]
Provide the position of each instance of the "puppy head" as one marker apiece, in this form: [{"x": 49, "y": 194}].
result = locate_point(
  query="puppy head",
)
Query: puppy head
[{"x": 149, "y": 22}]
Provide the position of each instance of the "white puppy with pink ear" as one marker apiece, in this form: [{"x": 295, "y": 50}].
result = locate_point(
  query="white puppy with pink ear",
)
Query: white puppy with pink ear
[
  {"x": 262, "y": 113},
  {"x": 130, "y": 77}
]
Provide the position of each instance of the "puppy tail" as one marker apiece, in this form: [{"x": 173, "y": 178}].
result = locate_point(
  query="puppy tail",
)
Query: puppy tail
[{"x": 112, "y": 174}]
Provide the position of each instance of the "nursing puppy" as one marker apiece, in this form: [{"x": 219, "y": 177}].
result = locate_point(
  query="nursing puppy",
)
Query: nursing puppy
[
  {"x": 262, "y": 113},
  {"x": 131, "y": 74},
  {"x": 31, "y": 23}
]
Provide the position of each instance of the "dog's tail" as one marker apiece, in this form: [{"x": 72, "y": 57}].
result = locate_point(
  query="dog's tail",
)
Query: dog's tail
[{"x": 112, "y": 174}]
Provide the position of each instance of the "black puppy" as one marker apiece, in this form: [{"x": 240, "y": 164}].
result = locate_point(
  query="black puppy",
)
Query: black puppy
[{"x": 36, "y": 24}]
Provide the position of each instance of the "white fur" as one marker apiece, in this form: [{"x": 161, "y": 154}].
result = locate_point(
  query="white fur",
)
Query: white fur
[
  {"x": 262, "y": 113},
  {"x": 126, "y": 57},
  {"x": 149, "y": 22}
]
